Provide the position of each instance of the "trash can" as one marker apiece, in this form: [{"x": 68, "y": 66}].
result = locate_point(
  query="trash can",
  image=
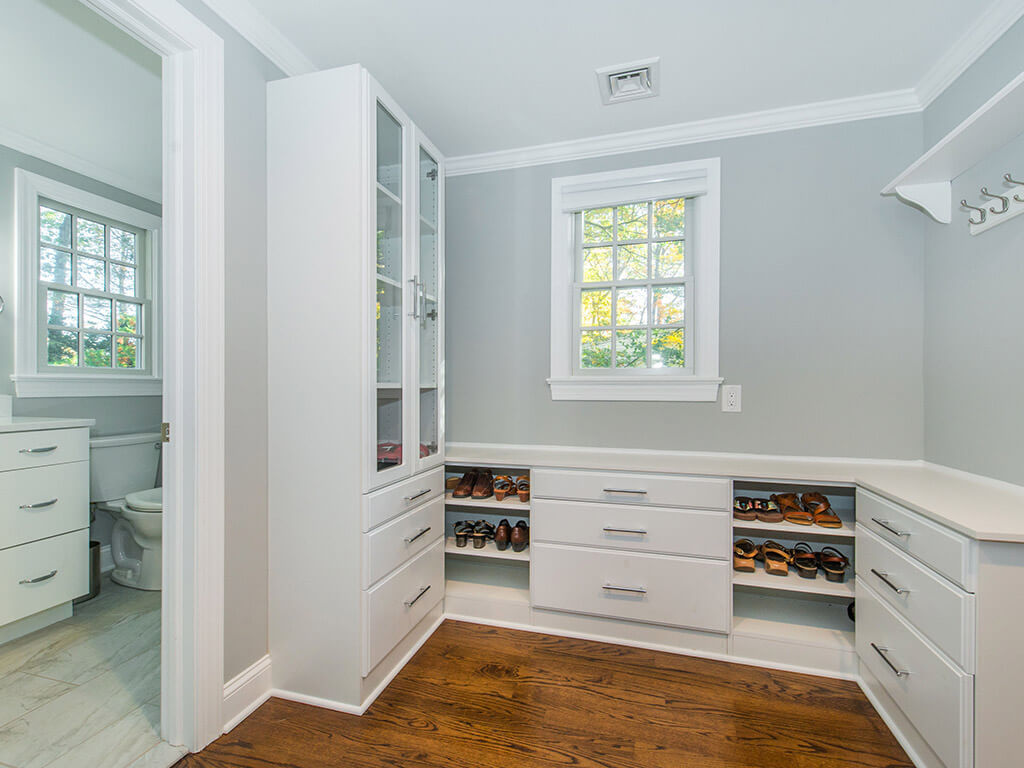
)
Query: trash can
[{"x": 94, "y": 573}]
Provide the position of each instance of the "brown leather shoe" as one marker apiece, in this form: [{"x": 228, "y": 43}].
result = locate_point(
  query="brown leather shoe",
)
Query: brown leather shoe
[
  {"x": 503, "y": 535},
  {"x": 484, "y": 487},
  {"x": 465, "y": 487},
  {"x": 520, "y": 536}
]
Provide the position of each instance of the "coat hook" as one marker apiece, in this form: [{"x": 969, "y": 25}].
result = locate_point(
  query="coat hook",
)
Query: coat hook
[
  {"x": 1006, "y": 200},
  {"x": 981, "y": 211},
  {"x": 1012, "y": 180}
]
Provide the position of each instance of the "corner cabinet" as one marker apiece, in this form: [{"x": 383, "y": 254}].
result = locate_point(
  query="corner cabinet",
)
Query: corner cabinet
[{"x": 356, "y": 384}]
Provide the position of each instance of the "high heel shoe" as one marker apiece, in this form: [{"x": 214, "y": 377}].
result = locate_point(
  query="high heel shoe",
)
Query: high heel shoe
[
  {"x": 503, "y": 486},
  {"x": 482, "y": 531},
  {"x": 463, "y": 530}
]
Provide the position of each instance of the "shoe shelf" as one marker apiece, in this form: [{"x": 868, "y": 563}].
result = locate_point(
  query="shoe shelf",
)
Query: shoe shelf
[
  {"x": 510, "y": 503},
  {"x": 489, "y": 550},
  {"x": 804, "y": 622},
  {"x": 794, "y": 531},
  {"x": 794, "y": 583}
]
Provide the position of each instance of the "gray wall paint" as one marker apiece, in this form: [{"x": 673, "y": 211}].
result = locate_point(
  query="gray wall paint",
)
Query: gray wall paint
[{"x": 821, "y": 310}]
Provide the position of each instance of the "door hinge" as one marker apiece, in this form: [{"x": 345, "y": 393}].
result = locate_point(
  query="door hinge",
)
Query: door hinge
[
  {"x": 432, "y": 174},
  {"x": 165, "y": 432}
]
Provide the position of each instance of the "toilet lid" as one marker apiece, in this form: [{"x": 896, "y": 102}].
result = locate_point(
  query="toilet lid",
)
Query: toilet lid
[{"x": 146, "y": 501}]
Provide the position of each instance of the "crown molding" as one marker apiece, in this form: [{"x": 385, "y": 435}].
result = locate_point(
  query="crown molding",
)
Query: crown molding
[
  {"x": 264, "y": 36},
  {"x": 734, "y": 126}
]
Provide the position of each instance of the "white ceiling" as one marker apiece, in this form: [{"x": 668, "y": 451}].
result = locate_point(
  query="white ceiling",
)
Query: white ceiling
[{"x": 481, "y": 76}]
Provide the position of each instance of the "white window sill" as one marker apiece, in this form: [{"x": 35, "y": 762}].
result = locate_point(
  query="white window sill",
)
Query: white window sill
[
  {"x": 653, "y": 388},
  {"x": 90, "y": 385}
]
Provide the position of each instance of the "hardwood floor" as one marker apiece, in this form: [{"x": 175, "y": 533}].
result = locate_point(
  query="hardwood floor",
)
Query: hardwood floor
[{"x": 481, "y": 697}]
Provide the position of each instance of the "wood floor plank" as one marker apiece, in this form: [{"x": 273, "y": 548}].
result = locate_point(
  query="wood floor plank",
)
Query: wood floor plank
[{"x": 486, "y": 697}]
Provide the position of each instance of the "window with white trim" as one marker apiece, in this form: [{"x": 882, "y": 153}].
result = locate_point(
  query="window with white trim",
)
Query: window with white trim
[{"x": 634, "y": 312}]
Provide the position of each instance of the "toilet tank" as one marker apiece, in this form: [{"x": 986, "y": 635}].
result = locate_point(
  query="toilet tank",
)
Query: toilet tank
[{"x": 121, "y": 464}]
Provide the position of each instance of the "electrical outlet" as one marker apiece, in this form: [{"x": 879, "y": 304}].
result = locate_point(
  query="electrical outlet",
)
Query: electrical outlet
[{"x": 732, "y": 398}]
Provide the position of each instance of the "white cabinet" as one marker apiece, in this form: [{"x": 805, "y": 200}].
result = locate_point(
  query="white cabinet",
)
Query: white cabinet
[{"x": 356, "y": 387}]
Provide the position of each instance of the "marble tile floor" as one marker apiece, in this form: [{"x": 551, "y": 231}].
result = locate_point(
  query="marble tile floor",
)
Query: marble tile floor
[{"x": 85, "y": 692}]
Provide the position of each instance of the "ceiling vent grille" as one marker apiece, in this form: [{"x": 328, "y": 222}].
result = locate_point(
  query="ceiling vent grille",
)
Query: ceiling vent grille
[{"x": 628, "y": 82}]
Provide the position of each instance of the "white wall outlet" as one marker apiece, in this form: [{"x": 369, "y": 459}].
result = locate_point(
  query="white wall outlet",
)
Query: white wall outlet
[{"x": 732, "y": 398}]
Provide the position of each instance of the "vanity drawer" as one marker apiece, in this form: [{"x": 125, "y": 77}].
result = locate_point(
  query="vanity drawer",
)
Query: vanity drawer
[
  {"x": 934, "y": 694},
  {"x": 938, "y": 547},
  {"x": 658, "y": 589},
  {"x": 396, "y": 605},
  {"x": 939, "y": 610},
  {"x": 702, "y": 533},
  {"x": 390, "y": 545},
  {"x": 631, "y": 488},
  {"x": 21, "y": 450},
  {"x": 42, "y": 502},
  {"x": 43, "y": 574},
  {"x": 380, "y": 506}
]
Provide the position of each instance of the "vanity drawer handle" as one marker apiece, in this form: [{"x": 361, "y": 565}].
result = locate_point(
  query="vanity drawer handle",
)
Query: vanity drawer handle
[
  {"x": 39, "y": 579},
  {"x": 47, "y": 449},
  {"x": 637, "y": 531},
  {"x": 39, "y": 505},
  {"x": 882, "y": 652},
  {"x": 631, "y": 590},
  {"x": 887, "y": 524},
  {"x": 625, "y": 490},
  {"x": 885, "y": 580},
  {"x": 415, "y": 496},
  {"x": 423, "y": 591},
  {"x": 411, "y": 539}
]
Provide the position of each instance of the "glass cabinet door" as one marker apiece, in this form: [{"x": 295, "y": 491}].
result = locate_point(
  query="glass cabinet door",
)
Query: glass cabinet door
[
  {"x": 428, "y": 312},
  {"x": 389, "y": 293}
]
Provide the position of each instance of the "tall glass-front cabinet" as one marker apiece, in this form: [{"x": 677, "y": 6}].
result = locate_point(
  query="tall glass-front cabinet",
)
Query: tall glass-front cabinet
[{"x": 355, "y": 310}]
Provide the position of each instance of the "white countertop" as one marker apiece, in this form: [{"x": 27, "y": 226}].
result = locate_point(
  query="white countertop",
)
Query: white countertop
[
  {"x": 979, "y": 507},
  {"x": 32, "y": 423}
]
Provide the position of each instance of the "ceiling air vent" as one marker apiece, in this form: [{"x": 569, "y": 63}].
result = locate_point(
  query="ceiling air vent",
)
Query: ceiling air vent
[{"x": 626, "y": 82}]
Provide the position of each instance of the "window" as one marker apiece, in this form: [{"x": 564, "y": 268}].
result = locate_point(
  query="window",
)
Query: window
[
  {"x": 85, "y": 311},
  {"x": 634, "y": 309}
]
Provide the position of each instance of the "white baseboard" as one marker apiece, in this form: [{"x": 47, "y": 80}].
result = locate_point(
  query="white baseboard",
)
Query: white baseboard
[
  {"x": 245, "y": 692},
  {"x": 106, "y": 559},
  {"x": 316, "y": 701}
]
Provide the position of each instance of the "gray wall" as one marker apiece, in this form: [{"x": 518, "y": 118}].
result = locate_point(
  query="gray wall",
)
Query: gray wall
[
  {"x": 974, "y": 321},
  {"x": 821, "y": 308}
]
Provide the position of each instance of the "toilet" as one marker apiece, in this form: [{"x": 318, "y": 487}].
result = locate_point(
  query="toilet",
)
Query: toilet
[{"x": 122, "y": 475}]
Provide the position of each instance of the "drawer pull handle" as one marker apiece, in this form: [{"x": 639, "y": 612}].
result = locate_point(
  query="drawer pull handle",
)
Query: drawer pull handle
[
  {"x": 423, "y": 591},
  {"x": 886, "y": 524},
  {"x": 39, "y": 579},
  {"x": 883, "y": 653},
  {"x": 47, "y": 449},
  {"x": 632, "y": 590},
  {"x": 625, "y": 490},
  {"x": 885, "y": 580},
  {"x": 415, "y": 496},
  {"x": 40, "y": 505},
  {"x": 637, "y": 531},
  {"x": 411, "y": 539}
]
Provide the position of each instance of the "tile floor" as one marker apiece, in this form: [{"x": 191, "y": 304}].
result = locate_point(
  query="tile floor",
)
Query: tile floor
[{"x": 85, "y": 692}]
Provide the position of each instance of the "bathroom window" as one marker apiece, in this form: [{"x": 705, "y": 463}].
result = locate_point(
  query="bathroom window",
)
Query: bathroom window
[{"x": 87, "y": 287}]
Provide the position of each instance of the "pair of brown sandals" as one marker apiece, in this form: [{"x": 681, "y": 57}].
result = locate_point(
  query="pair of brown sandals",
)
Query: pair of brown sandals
[
  {"x": 810, "y": 509},
  {"x": 777, "y": 559},
  {"x": 482, "y": 484}
]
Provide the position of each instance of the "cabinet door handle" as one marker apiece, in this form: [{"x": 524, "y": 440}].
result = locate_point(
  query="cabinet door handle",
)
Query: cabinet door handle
[
  {"x": 885, "y": 580},
  {"x": 39, "y": 579},
  {"x": 411, "y": 539},
  {"x": 625, "y": 490},
  {"x": 47, "y": 449},
  {"x": 423, "y": 591},
  {"x": 888, "y": 526},
  {"x": 416, "y": 290},
  {"x": 416, "y": 495},
  {"x": 883, "y": 653},
  {"x": 631, "y": 590},
  {"x": 637, "y": 531},
  {"x": 39, "y": 505}
]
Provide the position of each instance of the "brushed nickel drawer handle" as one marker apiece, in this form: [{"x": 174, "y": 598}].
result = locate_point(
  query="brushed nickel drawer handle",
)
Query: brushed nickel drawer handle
[
  {"x": 39, "y": 579},
  {"x": 423, "y": 591},
  {"x": 637, "y": 531},
  {"x": 886, "y": 524},
  {"x": 882, "y": 652},
  {"x": 411, "y": 539},
  {"x": 625, "y": 490},
  {"x": 47, "y": 449},
  {"x": 40, "y": 505},
  {"x": 632, "y": 590},
  {"x": 885, "y": 580},
  {"x": 417, "y": 495}
]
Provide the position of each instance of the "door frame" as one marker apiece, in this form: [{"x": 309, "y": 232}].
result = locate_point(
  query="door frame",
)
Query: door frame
[{"x": 192, "y": 601}]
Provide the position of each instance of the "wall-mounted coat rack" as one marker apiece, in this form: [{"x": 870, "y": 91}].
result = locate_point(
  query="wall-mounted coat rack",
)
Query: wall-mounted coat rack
[{"x": 984, "y": 217}]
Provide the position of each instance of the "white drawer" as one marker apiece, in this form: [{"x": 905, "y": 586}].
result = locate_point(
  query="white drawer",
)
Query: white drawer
[
  {"x": 380, "y": 506},
  {"x": 702, "y": 533},
  {"x": 939, "y": 610},
  {"x": 631, "y": 488},
  {"x": 42, "y": 502},
  {"x": 396, "y": 605},
  {"x": 938, "y": 547},
  {"x": 935, "y": 695},
  {"x": 43, "y": 574},
  {"x": 658, "y": 589},
  {"x": 21, "y": 450},
  {"x": 390, "y": 545}
]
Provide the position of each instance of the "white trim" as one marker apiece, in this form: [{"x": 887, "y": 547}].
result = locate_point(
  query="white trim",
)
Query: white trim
[
  {"x": 246, "y": 691},
  {"x": 264, "y": 36},
  {"x": 316, "y": 701},
  {"x": 70, "y": 385},
  {"x": 654, "y": 388}
]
